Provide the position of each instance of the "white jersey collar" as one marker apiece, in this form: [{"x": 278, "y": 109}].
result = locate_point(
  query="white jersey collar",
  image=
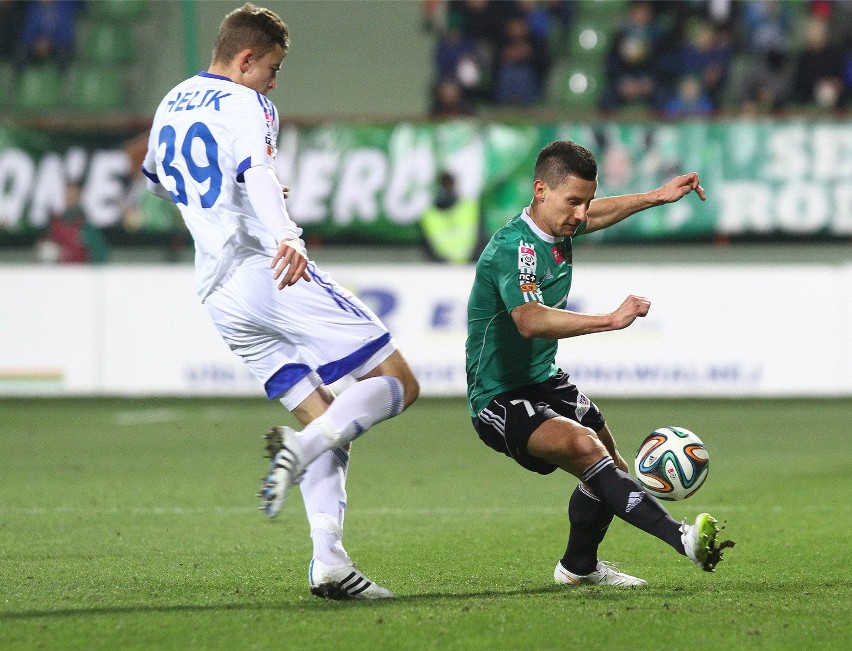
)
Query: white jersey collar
[{"x": 525, "y": 215}]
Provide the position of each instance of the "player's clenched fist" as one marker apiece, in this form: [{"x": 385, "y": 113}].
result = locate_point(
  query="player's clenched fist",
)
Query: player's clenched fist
[
  {"x": 290, "y": 264},
  {"x": 632, "y": 308}
]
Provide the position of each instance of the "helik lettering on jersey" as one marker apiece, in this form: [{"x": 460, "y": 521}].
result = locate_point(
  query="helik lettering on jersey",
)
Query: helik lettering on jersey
[{"x": 186, "y": 101}]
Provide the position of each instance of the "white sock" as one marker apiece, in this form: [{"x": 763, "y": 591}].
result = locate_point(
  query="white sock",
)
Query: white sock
[
  {"x": 324, "y": 493},
  {"x": 352, "y": 413}
]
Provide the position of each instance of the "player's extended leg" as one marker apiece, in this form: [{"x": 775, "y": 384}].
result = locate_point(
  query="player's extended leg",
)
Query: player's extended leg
[
  {"x": 364, "y": 404},
  {"x": 331, "y": 573},
  {"x": 578, "y": 450}
]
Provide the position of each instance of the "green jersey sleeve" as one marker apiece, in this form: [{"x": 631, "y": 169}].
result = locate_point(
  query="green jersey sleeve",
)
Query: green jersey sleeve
[{"x": 514, "y": 268}]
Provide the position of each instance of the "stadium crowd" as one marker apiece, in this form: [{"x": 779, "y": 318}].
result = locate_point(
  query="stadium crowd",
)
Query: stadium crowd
[{"x": 672, "y": 59}]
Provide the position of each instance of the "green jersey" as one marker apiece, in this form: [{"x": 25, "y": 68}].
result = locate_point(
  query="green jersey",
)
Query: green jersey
[{"x": 520, "y": 264}]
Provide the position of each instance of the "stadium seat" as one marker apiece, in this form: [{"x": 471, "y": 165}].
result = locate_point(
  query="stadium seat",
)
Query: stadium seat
[
  {"x": 588, "y": 40},
  {"x": 96, "y": 89},
  {"x": 578, "y": 87},
  {"x": 107, "y": 43},
  {"x": 39, "y": 89},
  {"x": 119, "y": 10}
]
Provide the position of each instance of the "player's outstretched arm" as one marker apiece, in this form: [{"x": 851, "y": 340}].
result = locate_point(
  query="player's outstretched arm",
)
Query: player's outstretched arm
[
  {"x": 537, "y": 320},
  {"x": 607, "y": 211}
]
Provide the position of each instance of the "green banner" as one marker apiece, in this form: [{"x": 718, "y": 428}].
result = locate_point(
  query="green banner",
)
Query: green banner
[{"x": 371, "y": 183}]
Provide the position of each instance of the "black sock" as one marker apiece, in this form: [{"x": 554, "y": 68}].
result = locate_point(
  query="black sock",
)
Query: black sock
[
  {"x": 589, "y": 519},
  {"x": 629, "y": 501}
]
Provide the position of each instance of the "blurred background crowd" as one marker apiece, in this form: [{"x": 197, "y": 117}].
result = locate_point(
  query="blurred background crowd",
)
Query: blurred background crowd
[
  {"x": 101, "y": 65},
  {"x": 672, "y": 58}
]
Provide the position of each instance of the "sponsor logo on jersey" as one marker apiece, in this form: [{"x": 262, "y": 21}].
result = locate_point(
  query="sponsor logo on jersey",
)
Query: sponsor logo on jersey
[
  {"x": 526, "y": 273},
  {"x": 526, "y": 257}
]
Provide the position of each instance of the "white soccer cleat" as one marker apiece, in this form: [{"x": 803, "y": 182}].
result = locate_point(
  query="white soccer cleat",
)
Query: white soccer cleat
[
  {"x": 343, "y": 582},
  {"x": 604, "y": 574},
  {"x": 285, "y": 471}
]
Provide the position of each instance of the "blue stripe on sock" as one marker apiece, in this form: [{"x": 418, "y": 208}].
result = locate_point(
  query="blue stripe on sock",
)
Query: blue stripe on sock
[{"x": 396, "y": 395}]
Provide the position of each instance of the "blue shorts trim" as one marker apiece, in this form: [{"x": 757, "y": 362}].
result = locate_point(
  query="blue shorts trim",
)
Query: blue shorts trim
[
  {"x": 288, "y": 375},
  {"x": 284, "y": 378},
  {"x": 335, "y": 370}
]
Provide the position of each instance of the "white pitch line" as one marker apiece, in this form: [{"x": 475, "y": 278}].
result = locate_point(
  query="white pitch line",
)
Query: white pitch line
[{"x": 147, "y": 416}]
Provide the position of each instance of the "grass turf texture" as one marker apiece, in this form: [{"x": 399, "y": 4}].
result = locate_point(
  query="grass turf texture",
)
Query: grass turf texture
[{"x": 131, "y": 524}]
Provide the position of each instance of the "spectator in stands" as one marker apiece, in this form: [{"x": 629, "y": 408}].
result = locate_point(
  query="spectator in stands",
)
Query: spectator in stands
[
  {"x": 48, "y": 33},
  {"x": 483, "y": 21},
  {"x": 766, "y": 84},
  {"x": 820, "y": 67},
  {"x": 70, "y": 239},
  {"x": 522, "y": 65},
  {"x": 449, "y": 101},
  {"x": 634, "y": 67},
  {"x": 457, "y": 61},
  {"x": 706, "y": 54},
  {"x": 768, "y": 27},
  {"x": 691, "y": 99},
  {"x": 538, "y": 17}
]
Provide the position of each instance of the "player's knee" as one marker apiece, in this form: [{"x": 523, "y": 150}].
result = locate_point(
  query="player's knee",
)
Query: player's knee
[
  {"x": 583, "y": 445},
  {"x": 396, "y": 366},
  {"x": 410, "y": 388}
]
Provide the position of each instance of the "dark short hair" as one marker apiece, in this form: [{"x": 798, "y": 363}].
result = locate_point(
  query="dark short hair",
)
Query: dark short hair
[
  {"x": 250, "y": 27},
  {"x": 564, "y": 158}
]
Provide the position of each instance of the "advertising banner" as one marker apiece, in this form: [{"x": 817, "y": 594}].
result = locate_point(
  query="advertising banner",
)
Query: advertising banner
[
  {"x": 371, "y": 183},
  {"x": 733, "y": 331}
]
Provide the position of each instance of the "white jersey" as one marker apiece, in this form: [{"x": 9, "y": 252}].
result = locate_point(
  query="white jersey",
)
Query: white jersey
[{"x": 207, "y": 132}]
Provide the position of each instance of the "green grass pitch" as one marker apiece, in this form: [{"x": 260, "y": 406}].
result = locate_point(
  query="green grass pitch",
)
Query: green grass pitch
[{"x": 132, "y": 524}]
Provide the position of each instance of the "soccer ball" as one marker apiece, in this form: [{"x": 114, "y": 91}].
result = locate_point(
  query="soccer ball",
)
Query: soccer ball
[{"x": 672, "y": 463}]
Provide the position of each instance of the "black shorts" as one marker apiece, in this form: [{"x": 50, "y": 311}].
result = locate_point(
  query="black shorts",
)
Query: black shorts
[{"x": 509, "y": 420}]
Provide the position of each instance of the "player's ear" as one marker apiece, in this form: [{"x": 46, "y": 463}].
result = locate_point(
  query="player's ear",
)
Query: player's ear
[{"x": 245, "y": 59}]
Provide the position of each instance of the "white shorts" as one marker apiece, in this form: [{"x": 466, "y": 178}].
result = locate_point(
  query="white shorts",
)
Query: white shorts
[{"x": 299, "y": 337}]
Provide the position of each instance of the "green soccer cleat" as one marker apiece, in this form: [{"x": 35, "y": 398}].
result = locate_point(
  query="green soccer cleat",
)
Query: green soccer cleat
[{"x": 700, "y": 542}]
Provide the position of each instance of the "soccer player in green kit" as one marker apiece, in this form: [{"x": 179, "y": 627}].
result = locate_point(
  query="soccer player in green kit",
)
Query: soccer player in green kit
[{"x": 522, "y": 404}]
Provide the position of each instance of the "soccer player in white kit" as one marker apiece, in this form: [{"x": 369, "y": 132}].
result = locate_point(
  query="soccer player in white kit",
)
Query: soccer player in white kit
[{"x": 211, "y": 150}]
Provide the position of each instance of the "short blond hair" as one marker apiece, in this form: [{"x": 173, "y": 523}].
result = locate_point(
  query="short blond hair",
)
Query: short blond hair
[{"x": 250, "y": 27}]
